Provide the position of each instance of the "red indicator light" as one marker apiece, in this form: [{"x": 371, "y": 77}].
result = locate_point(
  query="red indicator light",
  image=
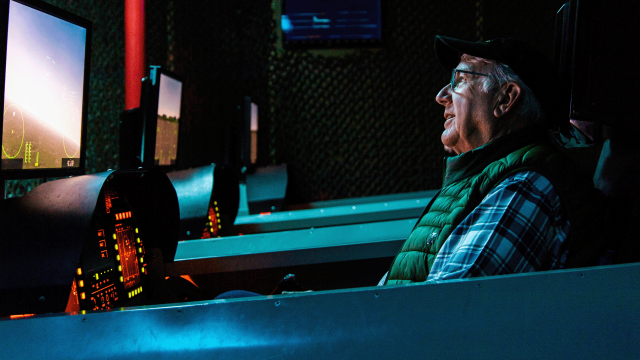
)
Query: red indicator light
[
  {"x": 83, "y": 296},
  {"x": 100, "y": 233},
  {"x": 81, "y": 283},
  {"x": 104, "y": 254}
]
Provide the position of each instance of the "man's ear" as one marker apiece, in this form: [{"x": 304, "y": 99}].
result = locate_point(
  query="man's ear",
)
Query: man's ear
[{"x": 506, "y": 98}]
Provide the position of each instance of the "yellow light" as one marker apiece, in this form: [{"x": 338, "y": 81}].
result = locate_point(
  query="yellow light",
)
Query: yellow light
[
  {"x": 129, "y": 294},
  {"x": 114, "y": 237},
  {"x": 83, "y": 296},
  {"x": 209, "y": 217},
  {"x": 81, "y": 283},
  {"x": 138, "y": 240},
  {"x": 79, "y": 271},
  {"x": 118, "y": 257},
  {"x": 97, "y": 277},
  {"x": 116, "y": 246},
  {"x": 119, "y": 267},
  {"x": 140, "y": 250},
  {"x": 215, "y": 203},
  {"x": 210, "y": 223},
  {"x": 218, "y": 215},
  {"x": 219, "y": 226},
  {"x": 136, "y": 230},
  {"x": 217, "y": 209},
  {"x": 121, "y": 279},
  {"x": 142, "y": 270},
  {"x": 140, "y": 288},
  {"x": 141, "y": 260}
]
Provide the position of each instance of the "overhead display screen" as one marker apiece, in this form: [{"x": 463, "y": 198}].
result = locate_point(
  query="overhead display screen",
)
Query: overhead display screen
[
  {"x": 43, "y": 94},
  {"x": 330, "y": 20},
  {"x": 169, "y": 99}
]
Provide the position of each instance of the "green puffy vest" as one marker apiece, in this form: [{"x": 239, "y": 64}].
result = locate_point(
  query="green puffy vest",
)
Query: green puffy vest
[{"x": 470, "y": 177}]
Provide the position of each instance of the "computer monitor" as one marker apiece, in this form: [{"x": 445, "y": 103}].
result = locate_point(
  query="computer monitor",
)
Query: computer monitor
[
  {"x": 254, "y": 134},
  {"x": 248, "y": 133},
  {"x": 331, "y": 23},
  {"x": 161, "y": 108},
  {"x": 46, "y": 75}
]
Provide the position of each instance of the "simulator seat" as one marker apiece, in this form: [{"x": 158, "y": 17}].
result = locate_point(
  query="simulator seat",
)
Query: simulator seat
[{"x": 617, "y": 177}]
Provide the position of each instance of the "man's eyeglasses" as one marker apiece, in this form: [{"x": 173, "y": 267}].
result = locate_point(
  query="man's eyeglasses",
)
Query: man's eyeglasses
[{"x": 455, "y": 79}]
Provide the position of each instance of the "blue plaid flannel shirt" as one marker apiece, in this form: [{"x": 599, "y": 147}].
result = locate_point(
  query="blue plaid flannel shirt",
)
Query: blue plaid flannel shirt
[{"x": 520, "y": 226}]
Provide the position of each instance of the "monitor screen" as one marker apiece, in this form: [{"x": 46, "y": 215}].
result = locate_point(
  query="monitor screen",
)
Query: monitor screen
[
  {"x": 169, "y": 99},
  {"x": 44, "y": 94},
  {"x": 254, "y": 133},
  {"x": 331, "y": 22}
]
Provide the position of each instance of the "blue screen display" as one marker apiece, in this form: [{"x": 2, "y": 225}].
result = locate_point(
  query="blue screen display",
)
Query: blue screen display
[{"x": 327, "y": 20}]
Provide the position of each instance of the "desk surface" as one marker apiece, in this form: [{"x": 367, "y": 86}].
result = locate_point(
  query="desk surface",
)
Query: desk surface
[
  {"x": 338, "y": 212},
  {"x": 290, "y": 248}
]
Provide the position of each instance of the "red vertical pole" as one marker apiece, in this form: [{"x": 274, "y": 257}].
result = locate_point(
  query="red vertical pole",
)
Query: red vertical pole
[{"x": 134, "y": 51}]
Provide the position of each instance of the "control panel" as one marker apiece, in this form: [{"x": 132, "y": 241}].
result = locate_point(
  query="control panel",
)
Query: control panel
[{"x": 112, "y": 269}]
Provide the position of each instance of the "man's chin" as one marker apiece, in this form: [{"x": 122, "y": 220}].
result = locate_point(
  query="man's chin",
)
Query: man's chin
[{"x": 448, "y": 141}]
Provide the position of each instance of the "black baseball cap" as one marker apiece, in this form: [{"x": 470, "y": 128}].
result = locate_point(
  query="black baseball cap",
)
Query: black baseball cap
[{"x": 531, "y": 66}]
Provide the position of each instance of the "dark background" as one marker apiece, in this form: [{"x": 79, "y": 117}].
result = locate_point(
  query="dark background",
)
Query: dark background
[{"x": 348, "y": 123}]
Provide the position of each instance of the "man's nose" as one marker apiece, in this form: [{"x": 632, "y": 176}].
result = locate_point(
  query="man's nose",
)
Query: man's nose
[{"x": 444, "y": 96}]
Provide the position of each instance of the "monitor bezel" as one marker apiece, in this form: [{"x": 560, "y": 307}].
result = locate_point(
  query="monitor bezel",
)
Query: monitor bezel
[
  {"x": 310, "y": 44},
  {"x": 149, "y": 102},
  {"x": 11, "y": 174}
]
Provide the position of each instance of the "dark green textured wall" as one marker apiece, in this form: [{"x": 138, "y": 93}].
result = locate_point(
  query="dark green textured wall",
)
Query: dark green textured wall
[{"x": 348, "y": 123}]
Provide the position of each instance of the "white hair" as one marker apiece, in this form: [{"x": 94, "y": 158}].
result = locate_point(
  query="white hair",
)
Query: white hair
[{"x": 500, "y": 74}]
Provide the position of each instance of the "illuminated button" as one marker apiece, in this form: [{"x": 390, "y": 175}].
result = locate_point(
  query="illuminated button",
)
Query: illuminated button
[
  {"x": 209, "y": 217},
  {"x": 114, "y": 237},
  {"x": 116, "y": 246},
  {"x": 219, "y": 226},
  {"x": 136, "y": 230},
  {"x": 138, "y": 240},
  {"x": 118, "y": 257},
  {"x": 79, "y": 271},
  {"x": 217, "y": 209},
  {"x": 141, "y": 259},
  {"x": 119, "y": 267},
  {"x": 215, "y": 203},
  {"x": 210, "y": 223},
  {"x": 83, "y": 296},
  {"x": 97, "y": 277},
  {"x": 140, "y": 288},
  {"x": 121, "y": 279},
  {"x": 129, "y": 294},
  {"x": 218, "y": 215},
  {"x": 140, "y": 250},
  {"x": 81, "y": 283}
]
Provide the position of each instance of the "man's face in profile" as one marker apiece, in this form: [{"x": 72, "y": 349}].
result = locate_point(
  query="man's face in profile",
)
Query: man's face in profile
[{"x": 468, "y": 109}]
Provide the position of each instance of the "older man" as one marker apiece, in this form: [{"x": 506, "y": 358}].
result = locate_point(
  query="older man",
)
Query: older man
[{"x": 510, "y": 202}]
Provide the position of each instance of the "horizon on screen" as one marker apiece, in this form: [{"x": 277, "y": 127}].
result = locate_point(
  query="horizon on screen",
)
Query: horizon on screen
[
  {"x": 42, "y": 114},
  {"x": 169, "y": 101}
]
